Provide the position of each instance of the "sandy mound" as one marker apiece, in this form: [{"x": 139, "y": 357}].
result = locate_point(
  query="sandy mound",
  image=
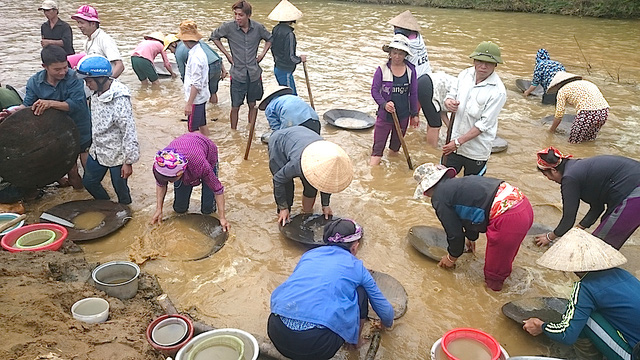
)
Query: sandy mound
[{"x": 37, "y": 291}]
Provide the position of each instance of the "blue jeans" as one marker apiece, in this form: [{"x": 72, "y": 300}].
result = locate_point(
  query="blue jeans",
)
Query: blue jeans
[
  {"x": 182, "y": 195},
  {"x": 93, "y": 175},
  {"x": 285, "y": 79}
]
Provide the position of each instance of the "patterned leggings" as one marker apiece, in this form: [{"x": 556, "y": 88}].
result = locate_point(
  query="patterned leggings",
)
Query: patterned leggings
[{"x": 587, "y": 125}]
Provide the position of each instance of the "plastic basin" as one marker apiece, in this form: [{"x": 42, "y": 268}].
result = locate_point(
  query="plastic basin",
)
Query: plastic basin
[
  {"x": 438, "y": 354},
  {"x": 199, "y": 344},
  {"x": 9, "y": 240},
  {"x": 170, "y": 350},
  {"x": 35, "y": 238},
  {"x": 8, "y": 217},
  {"x": 117, "y": 278},
  {"x": 91, "y": 310},
  {"x": 169, "y": 331},
  {"x": 475, "y": 337}
]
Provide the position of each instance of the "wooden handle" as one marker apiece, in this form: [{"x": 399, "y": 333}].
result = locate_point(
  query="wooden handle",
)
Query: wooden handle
[
  {"x": 306, "y": 79},
  {"x": 252, "y": 128},
  {"x": 401, "y": 137},
  {"x": 12, "y": 222},
  {"x": 373, "y": 347},
  {"x": 449, "y": 130}
]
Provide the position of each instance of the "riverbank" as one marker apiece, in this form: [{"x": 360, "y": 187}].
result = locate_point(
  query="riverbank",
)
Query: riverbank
[{"x": 612, "y": 9}]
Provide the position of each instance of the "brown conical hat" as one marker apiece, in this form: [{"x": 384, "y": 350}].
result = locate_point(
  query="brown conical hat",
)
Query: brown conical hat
[
  {"x": 285, "y": 11},
  {"x": 579, "y": 251},
  {"x": 405, "y": 21}
]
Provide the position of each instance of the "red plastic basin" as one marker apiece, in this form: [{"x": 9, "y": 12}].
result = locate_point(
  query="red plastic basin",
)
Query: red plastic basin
[
  {"x": 173, "y": 349},
  {"x": 9, "y": 240}
]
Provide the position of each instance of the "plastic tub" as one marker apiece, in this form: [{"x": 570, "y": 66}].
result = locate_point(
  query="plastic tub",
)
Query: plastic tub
[
  {"x": 8, "y": 217},
  {"x": 172, "y": 349},
  {"x": 91, "y": 310},
  {"x": 438, "y": 354},
  {"x": 117, "y": 278},
  {"x": 169, "y": 331},
  {"x": 9, "y": 240},
  {"x": 475, "y": 337},
  {"x": 189, "y": 351},
  {"x": 35, "y": 238},
  {"x": 227, "y": 347}
]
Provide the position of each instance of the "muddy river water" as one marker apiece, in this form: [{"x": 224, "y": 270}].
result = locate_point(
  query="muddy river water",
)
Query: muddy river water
[{"x": 343, "y": 41}]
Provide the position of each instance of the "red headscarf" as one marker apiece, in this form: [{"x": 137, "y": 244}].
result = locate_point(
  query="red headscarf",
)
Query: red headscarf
[{"x": 544, "y": 165}]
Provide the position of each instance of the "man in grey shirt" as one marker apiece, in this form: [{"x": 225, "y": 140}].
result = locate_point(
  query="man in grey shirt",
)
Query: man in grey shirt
[{"x": 244, "y": 36}]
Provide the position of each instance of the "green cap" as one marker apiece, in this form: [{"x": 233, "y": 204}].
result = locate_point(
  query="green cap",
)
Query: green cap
[{"x": 488, "y": 52}]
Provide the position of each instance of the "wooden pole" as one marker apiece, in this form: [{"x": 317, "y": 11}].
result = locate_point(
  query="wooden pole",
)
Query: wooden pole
[
  {"x": 306, "y": 79},
  {"x": 252, "y": 128},
  {"x": 401, "y": 137},
  {"x": 449, "y": 130},
  {"x": 12, "y": 222},
  {"x": 373, "y": 347}
]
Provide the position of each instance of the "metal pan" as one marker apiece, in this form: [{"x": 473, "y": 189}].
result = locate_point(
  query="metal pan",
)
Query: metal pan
[
  {"x": 537, "y": 229},
  {"x": 205, "y": 224},
  {"x": 430, "y": 241},
  {"x": 349, "y": 119},
  {"x": 499, "y": 145},
  {"x": 523, "y": 85},
  {"x": 565, "y": 125},
  {"x": 37, "y": 150},
  {"x": 116, "y": 215},
  {"x": 266, "y": 136},
  {"x": 547, "y": 309},
  {"x": 306, "y": 229},
  {"x": 160, "y": 69},
  {"x": 393, "y": 291}
]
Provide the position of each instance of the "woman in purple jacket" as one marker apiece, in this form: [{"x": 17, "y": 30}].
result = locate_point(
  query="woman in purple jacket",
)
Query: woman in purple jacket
[{"x": 395, "y": 89}]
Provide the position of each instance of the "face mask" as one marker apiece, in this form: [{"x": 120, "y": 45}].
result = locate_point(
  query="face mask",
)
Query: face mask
[{"x": 402, "y": 31}]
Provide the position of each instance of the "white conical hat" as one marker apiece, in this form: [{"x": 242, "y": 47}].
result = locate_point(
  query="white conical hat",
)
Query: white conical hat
[
  {"x": 285, "y": 11},
  {"x": 326, "y": 166},
  {"x": 579, "y": 251},
  {"x": 405, "y": 21}
]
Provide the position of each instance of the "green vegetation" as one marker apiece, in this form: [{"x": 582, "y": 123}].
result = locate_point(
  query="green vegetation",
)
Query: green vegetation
[{"x": 616, "y": 9}]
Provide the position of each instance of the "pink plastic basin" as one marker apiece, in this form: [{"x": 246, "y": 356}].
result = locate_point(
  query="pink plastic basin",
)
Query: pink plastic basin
[{"x": 9, "y": 240}]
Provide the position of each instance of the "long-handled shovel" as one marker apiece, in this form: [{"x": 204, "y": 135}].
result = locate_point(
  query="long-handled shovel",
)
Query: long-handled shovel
[
  {"x": 306, "y": 79},
  {"x": 252, "y": 128},
  {"x": 449, "y": 130},
  {"x": 401, "y": 137}
]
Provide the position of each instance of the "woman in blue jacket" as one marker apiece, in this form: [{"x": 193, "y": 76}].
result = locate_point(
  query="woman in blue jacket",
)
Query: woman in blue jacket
[{"x": 324, "y": 303}]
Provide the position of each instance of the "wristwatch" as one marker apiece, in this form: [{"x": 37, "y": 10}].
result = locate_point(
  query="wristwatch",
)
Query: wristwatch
[{"x": 455, "y": 141}]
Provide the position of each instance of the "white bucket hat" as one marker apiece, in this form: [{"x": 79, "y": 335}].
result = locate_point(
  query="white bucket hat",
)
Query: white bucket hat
[
  {"x": 285, "y": 11},
  {"x": 561, "y": 78},
  {"x": 427, "y": 175},
  {"x": 326, "y": 166},
  {"x": 399, "y": 42},
  {"x": 580, "y": 251},
  {"x": 405, "y": 21}
]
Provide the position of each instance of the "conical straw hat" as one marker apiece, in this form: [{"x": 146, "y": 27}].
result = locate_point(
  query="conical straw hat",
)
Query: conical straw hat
[
  {"x": 405, "y": 21},
  {"x": 285, "y": 11},
  {"x": 155, "y": 35},
  {"x": 560, "y": 79},
  {"x": 326, "y": 166},
  {"x": 578, "y": 250}
]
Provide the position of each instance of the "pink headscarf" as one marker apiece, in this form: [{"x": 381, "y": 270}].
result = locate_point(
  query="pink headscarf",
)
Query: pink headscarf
[
  {"x": 169, "y": 163},
  {"x": 544, "y": 165}
]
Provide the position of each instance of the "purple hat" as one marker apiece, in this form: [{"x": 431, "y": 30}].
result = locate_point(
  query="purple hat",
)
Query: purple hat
[
  {"x": 169, "y": 163},
  {"x": 342, "y": 231},
  {"x": 86, "y": 12}
]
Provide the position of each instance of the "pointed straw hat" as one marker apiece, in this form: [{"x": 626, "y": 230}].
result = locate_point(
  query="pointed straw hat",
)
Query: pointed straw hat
[
  {"x": 560, "y": 79},
  {"x": 405, "y": 21},
  {"x": 157, "y": 35},
  {"x": 578, "y": 250},
  {"x": 285, "y": 11},
  {"x": 326, "y": 166}
]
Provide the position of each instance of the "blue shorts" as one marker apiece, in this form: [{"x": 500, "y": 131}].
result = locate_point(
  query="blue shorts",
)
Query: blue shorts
[{"x": 198, "y": 117}]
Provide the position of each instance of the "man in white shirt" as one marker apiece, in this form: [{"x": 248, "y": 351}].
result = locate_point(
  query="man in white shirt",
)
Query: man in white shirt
[
  {"x": 98, "y": 42},
  {"x": 196, "y": 78},
  {"x": 476, "y": 99}
]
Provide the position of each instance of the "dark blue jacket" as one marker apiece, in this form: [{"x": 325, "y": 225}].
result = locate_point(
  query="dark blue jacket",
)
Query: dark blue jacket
[{"x": 462, "y": 206}]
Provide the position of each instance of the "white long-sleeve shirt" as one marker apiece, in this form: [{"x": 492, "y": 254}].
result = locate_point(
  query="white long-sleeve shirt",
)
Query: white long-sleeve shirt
[
  {"x": 197, "y": 74},
  {"x": 479, "y": 106}
]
